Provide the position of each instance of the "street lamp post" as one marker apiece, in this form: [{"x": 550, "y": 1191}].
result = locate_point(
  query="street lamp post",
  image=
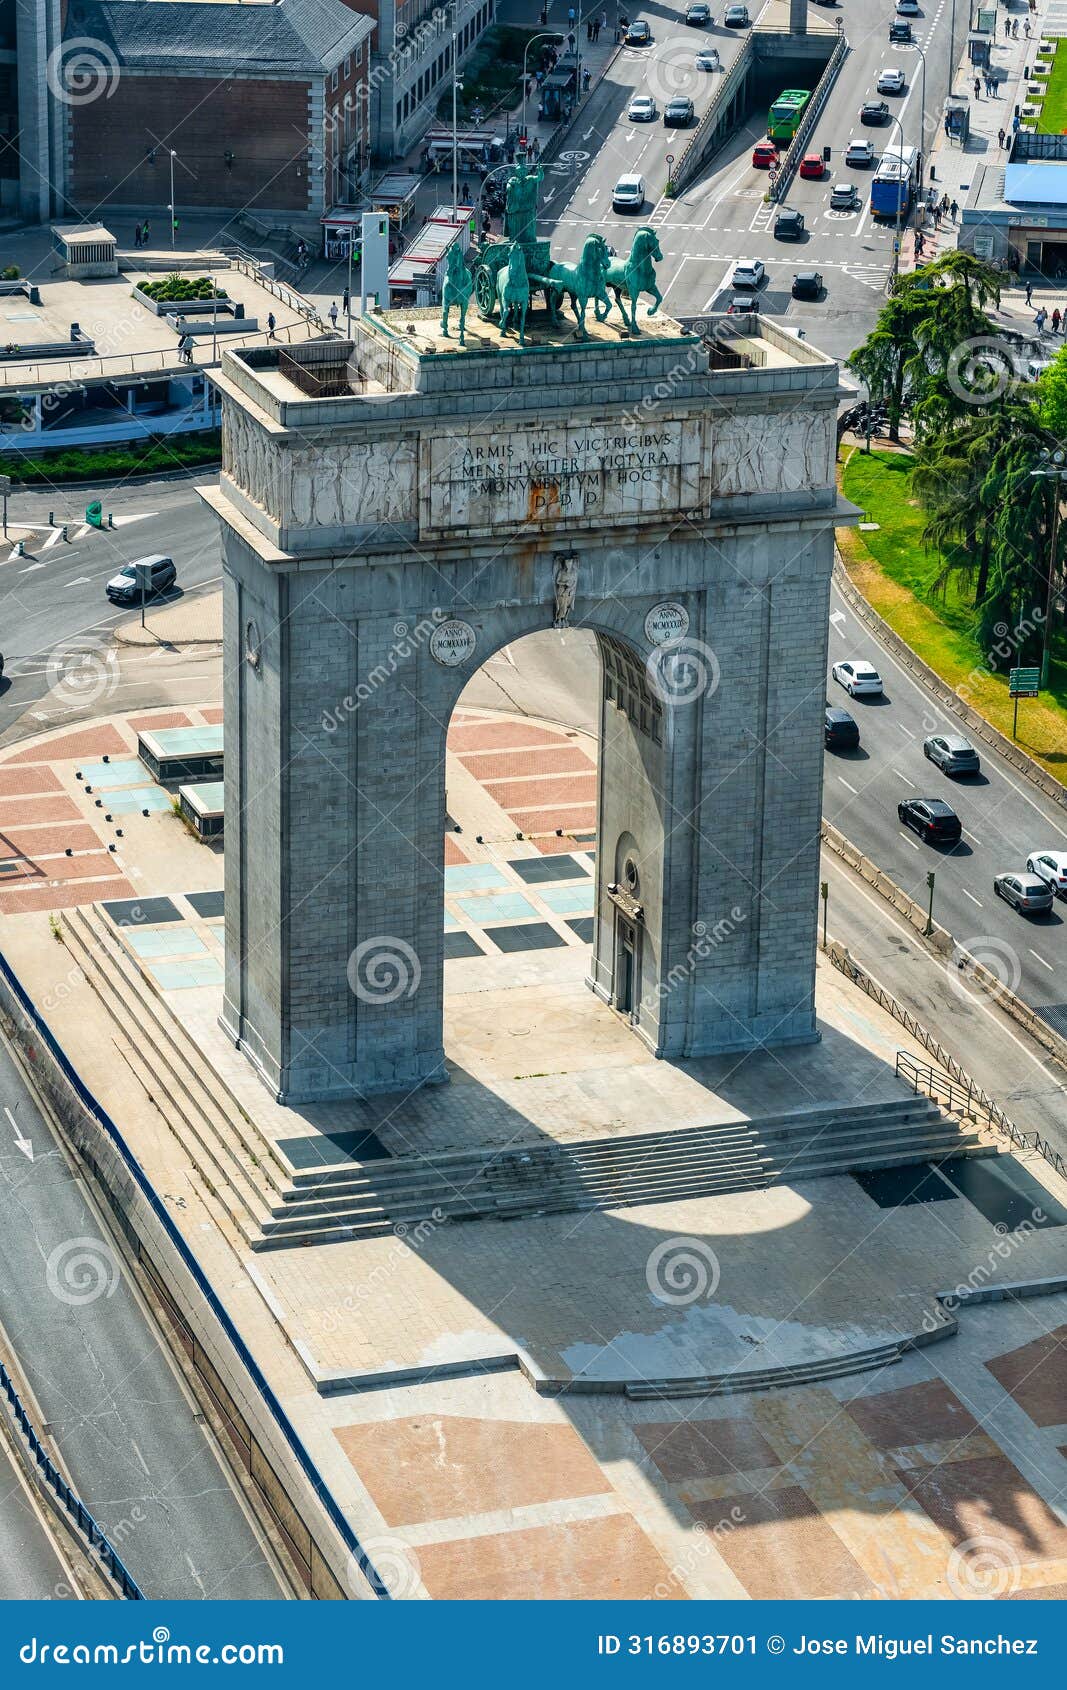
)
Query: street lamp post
[
  {"x": 900, "y": 206},
  {"x": 1053, "y": 468},
  {"x": 455, "y": 134},
  {"x": 922, "y": 117},
  {"x": 173, "y": 217}
]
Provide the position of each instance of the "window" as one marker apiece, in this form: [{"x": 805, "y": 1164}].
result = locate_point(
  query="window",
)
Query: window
[
  {"x": 359, "y": 54},
  {"x": 347, "y": 71},
  {"x": 333, "y": 81}
]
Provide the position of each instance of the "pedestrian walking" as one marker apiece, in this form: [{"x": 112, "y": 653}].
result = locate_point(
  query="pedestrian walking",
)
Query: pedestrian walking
[
  {"x": 137, "y": 234},
  {"x": 977, "y": 89},
  {"x": 1007, "y": 26},
  {"x": 1015, "y": 29},
  {"x": 1040, "y": 320},
  {"x": 589, "y": 31},
  {"x": 1000, "y": 137},
  {"x": 596, "y": 31},
  {"x": 333, "y": 314},
  {"x": 1029, "y": 293},
  {"x": 346, "y": 303},
  {"x": 571, "y": 15},
  {"x": 146, "y": 233},
  {"x": 271, "y": 325},
  {"x": 953, "y": 210},
  {"x": 1056, "y": 320},
  {"x": 920, "y": 244},
  {"x": 1026, "y": 28}
]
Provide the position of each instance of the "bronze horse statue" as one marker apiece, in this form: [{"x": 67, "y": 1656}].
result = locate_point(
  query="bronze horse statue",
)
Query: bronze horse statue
[{"x": 630, "y": 278}]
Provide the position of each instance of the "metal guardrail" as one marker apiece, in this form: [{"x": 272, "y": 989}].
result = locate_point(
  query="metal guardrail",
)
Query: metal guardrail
[
  {"x": 795, "y": 150},
  {"x": 691, "y": 157},
  {"x": 971, "y": 1101},
  {"x": 203, "y": 1284},
  {"x": 79, "y": 1516}
]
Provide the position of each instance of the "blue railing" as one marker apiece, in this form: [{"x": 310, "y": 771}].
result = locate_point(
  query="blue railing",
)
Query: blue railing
[
  {"x": 86, "y": 1526},
  {"x": 189, "y": 1261}
]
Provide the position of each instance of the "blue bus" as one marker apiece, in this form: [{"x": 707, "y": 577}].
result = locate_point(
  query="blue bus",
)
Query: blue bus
[{"x": 894, "y": 183}]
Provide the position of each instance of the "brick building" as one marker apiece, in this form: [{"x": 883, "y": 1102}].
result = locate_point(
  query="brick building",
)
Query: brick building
[{"x": 265, "y": 105}]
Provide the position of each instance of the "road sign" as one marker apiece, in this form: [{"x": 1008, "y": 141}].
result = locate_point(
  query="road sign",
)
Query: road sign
[
  {"x": 5, "y": 485},
  {"x": 1024, "y": 683}
]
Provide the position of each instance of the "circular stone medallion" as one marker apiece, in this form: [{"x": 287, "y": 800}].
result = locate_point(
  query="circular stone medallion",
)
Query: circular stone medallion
[
  {"x": 451, "y": 643},
  {"x": 665, "y": 623}
]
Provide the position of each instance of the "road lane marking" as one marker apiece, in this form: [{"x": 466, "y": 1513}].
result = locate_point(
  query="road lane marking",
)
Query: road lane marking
[
  {"x": 907, "y": 840},
  {"x": 851, "y": 789},
  {"x": 973, "y": 836},
  {"x": 838, "y": 618},
  {"x": 972, "y": 897},
  {"x": 905, "y": 730},
  {"x": 1042, "y": 961},
  {"x": 904, "y": 778},
  {"x": 52, "y": 538}
]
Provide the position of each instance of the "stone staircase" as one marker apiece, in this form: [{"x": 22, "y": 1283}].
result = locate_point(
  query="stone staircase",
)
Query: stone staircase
[{"x": 275, "y": 1207}]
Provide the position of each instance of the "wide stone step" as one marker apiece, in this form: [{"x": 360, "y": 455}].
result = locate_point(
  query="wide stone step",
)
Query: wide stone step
[{"x": 768, "y": 1378}]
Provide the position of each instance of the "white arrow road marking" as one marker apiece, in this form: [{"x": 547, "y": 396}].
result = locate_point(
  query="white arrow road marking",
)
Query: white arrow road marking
[
  {"x": 838, "y": 618},
  {"x": 24, "y": 1144},
  {"x": 31, "y": 568},
  {"x": 137, "y": 516}
]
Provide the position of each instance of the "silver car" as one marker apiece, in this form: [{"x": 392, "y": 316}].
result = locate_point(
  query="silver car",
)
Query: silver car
[
  {"x": 952, "y": 753},
  {"x": 1027, "y": 892}
]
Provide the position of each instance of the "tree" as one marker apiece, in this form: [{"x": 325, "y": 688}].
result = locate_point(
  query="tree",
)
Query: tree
[{"x": 1052, "y": 395}]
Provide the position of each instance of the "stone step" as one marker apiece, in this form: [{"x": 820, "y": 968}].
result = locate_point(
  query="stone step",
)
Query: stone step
[
  {"x": 219, "y": 1155},
  {"x": 768, "y": 1378}
]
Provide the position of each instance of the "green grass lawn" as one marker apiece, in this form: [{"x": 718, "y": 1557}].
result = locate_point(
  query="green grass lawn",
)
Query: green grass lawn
[
  {"x": 1052, "y": 117},
  {"x": 894, "y": 571}
]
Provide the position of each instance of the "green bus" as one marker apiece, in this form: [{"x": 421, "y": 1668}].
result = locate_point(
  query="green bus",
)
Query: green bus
[{"x": 784, "y": 116}]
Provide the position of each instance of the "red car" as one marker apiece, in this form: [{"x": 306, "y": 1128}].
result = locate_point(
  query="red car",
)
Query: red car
[
  {"x": 812, "y": 166},
  {"x": 764, "y": 155}
]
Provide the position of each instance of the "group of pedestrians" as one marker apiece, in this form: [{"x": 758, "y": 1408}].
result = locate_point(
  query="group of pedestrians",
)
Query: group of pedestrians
[
  {"x": 1056, "y": 321},
  {"x": 142, "y": 233},
  {"x": 593, "y": 26}
]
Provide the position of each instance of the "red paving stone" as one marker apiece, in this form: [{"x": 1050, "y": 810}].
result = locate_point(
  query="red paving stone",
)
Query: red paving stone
[
  {"x": 1035, "y": 1376},
  {"x": 31, "y": 778},
  {"x": 972, "y": 1499},
  {"x": 164, "y": 719},
  {"x": 705, "y": 1449},
  {"x": 781, "y": 1547},
  {"x": 546, "y": 821},
  {"x": 610, "y": 1559},
  {"x": 44, "y": 869},
  {"x": 47, "y": 841},
  {"x": 453, "y": 854},
  {"x": 559, "y": 789},
  {"x": 59, "y": 808},
  {"x": 496, "y": 736},
  {"x": 100, "y": 741},
  {"x": 20, "y": 901},
  {"x": 212, "y": 713},
  {"x": 500, "y": 765},
  {"x": 915, "y": 1414}
]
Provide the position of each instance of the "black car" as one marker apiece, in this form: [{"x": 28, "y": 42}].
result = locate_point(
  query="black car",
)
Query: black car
[
  {"x": 899, "y": 31},
  {"x": 639, "y": 34},
  {"x": 932, "y": 819},
  {"x": 807, "y": 284},
  {"x": 789, "y": 225},
  {"x": 841, "y": 731},
  {"x": 678, "y": 113},
  {"x": 874, "y": 111}
]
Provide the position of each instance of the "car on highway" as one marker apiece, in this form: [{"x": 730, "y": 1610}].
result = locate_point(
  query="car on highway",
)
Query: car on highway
[
  {"x": 900, "y": 32},
  {"x": 952, "y": 753},
  {"x": 807, "y": 284},
  {"x": 932, "y": 819},
  {"x": 747, "y": 273},
  {"x": 678, "y": 113},
  {"x": 639, "y": 34},
  {"x": 843, "y": 197},
  {"x": 1052, "y": 867},
  {"x": 789, "y": 225},
  {"x": 698, "y": 14},
  {"x": 874, "y": 111},
  {"x": 1027, "y": 892},
  {"x": 856, "y": 675},
  {"x": 891, "y": 81},
  {"x": 159, "y": 576},
  {"x": 909, "y": 9},
  {"x": 708, "y": 59},
  {"x": 628, "y": 194},
  {"x": 840, "y": 730},
  {"x": 642, "y": 109},
  {"x": 859, "y": 151},
  {"x": 813, "y": 167},
  {"x": 735, "y": 17},
  {"x": 765, "y": 155}
]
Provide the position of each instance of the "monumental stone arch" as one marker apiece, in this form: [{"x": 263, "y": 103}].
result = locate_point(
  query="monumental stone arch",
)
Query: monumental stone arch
[{"x": 397, "y": 507}]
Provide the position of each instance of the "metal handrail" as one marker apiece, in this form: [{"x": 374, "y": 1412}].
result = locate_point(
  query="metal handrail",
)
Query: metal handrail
[
  {"x": 971, "y": 1102},
  {"x": 79, "y": 1515},
  {"x": 795, "y": 150}
]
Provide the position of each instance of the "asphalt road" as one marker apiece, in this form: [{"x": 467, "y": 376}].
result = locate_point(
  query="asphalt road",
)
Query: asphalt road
[
  {"x": 52, "y": 602},
  {"x": 112, "y": 1399},
  {"x": 31, "y": 1568},
  {"x": 722, "y": 216}
]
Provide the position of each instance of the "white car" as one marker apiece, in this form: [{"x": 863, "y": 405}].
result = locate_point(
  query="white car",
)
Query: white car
[
  {"x": 747, "y": 273},
  {"x": 628, "y": 194},
  {"x": 1052, "y": 867},
  {"x": 642, "y": 109},
  {"x": 857, "y": 676},
  {"x": 891, "y": 81},
  {"x": 859, "y": 151},
  {"x": 708, "y": 59}
]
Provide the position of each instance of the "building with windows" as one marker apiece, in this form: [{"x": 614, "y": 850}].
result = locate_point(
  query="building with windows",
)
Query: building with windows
[{"x": 412, "y": 63}]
